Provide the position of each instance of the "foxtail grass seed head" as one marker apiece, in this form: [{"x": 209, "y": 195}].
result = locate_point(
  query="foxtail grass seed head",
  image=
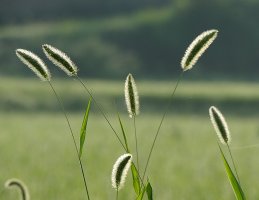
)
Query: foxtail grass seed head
[
  {"x": 120, "y": 170},
  {"x": 131, "y": 96},
  {"x": 34, "y": 63},
  {"x": 220, "y": 125},
  {"x": 197, "y": 48},
  {"x": 18, "y": 183},
  {"x": 60, "y": 59}
]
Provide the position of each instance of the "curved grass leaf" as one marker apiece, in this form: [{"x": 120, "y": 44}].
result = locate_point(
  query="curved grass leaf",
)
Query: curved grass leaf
[
  {"x": 124, "y": 134},
  {"x": 135, "y": 179},
  {"x": 149, "y": 191},
  {"x": 232, "y": 179},
  {"x": 83, "y": 128},
  {"x": 141, "y": 195}
]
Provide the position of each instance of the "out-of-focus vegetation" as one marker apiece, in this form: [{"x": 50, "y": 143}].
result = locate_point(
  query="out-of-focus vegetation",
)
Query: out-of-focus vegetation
[
  {"x": 37, "y": 148},
  {"x": 113, "y": 38}
]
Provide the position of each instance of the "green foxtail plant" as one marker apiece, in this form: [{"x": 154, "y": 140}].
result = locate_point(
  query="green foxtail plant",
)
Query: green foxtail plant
[
  {"x": 40, "y": 69},
  {"x": 132, "y": 103},
  {"x": 221, "y": 128},
  {"x": 191, "y": 56},
  {"x": 122, "y": 165},
  {"x": 14, "y": 182},
  {"x": 60, "y": 59}
]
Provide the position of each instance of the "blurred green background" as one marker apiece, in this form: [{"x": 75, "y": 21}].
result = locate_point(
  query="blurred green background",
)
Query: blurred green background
[{"x": 108, "y": 40}]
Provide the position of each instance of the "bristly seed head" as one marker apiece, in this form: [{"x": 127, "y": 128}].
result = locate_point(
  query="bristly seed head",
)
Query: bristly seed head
[
  {"x": 60, "y": 59},
  {"x": 131, "y": 96},
  {"x": 120, "y": 170},
  {"x": 34, "y": 63},
  {"x": 18, "y": 183},
  {"x": 197, "y": 48},
  {"x": 220, "y": 125}
]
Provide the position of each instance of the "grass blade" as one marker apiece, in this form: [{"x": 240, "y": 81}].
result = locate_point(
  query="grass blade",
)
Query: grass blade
[
  {"x": 141, "y": 195},
  {"x": 232, "y": 179},
  {"x": 149, "y": 191},
  {"x": 135, "y": 179},
  {"x": 83, "y": 128},
  {"x": 124, "y": 134}
]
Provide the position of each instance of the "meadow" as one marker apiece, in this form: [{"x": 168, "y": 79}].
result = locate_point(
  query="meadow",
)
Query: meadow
[{"x": 36, "y": 146}]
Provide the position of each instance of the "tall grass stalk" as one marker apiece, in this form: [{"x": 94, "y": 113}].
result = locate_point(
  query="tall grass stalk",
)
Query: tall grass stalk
[
  {"x": 221, "y": 127},
  {"x": 40, "y": 69},
  {"x": 132, "y": 103},
  {"x": 191, "y": 56},
  {"x": 101, "y": 111},
  {"x": 73, "y": 137},
  {"x": 136, "y": 142},
  {"x": 234, "y": 165},
  {"x": 60, "y": 59},
  {"x": 160, "y": 124}
]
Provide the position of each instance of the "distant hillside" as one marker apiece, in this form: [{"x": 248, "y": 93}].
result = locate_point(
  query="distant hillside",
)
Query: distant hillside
[
  {"x": 23, "y": 11},
  {"x": 148, "y": 41}
]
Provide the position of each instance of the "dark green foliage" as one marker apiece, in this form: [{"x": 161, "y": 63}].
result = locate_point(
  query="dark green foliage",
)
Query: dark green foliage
[
  {"x": 149, "y": 191},
  {"x": 124, "y": 134},
  {"x": 135, "y": 177},
  {"x": 233, "y": 181},
  {"x": 83, "y": 127}
]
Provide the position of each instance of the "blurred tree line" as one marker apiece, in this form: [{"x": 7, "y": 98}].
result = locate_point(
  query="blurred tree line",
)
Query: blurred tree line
[{"x": 112, "y": 38}]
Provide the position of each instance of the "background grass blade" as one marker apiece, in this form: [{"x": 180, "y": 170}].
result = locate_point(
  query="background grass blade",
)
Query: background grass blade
[
  {"x": 149, "y": 191},
  {"x": 135, "y": 179},
  {"x": 141, "y": 195},
  {"x": 232, "y": 179},
  {"x": 83, "y": 128},
  {"x": 124, "y": 134}
]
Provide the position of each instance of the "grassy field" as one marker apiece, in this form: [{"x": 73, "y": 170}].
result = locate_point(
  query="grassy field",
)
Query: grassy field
[{"x": 37, "y": 148}]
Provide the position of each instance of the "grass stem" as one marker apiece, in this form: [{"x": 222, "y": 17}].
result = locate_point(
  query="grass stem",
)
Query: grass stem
[
  {"x": 233, "y": 163},
  {"x": 73, "y": 137},
  {"x": 136, "y": 141},
  {"x": 160, "y": 124},
  {"x": 101, "y": 111}
]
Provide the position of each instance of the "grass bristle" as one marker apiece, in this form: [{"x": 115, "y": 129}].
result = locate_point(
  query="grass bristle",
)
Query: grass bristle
[
  {"x": 131, "y": 96},
  {"x": 220, "y": 125},
  {"x": 60, "y": 59},
  {"x": 18, "y": 183},
  {"x": 120, "y": 170},
  {"x": 34, "y": 63},
  {"x": 197, "y": 48}
]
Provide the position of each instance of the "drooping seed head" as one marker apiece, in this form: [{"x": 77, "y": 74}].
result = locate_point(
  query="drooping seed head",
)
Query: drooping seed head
[
  {"x": 197, "y": 48},
  {"x": 19, "y": 184},
  {"x": 60, "y": 59},
  {"x": 34, "y": 63},
  {"x": 131, "y": 96},
  {"x": 220, "y": 125},
  {"x": 120, "y": 170}
]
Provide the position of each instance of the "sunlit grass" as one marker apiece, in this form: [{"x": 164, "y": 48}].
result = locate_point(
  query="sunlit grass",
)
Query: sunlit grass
[{"x": 36, "y": 148}]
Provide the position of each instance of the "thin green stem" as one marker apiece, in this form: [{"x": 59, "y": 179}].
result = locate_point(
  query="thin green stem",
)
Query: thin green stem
[
  {"x": 160, "y": 124},
  {"x": 73, "y": 137},
  {"x": 101, "y": 111},
  {"x": 233, "y": 163},
  {"x": 136, "y": 141},
  {"x": 117, "y": 194}
]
